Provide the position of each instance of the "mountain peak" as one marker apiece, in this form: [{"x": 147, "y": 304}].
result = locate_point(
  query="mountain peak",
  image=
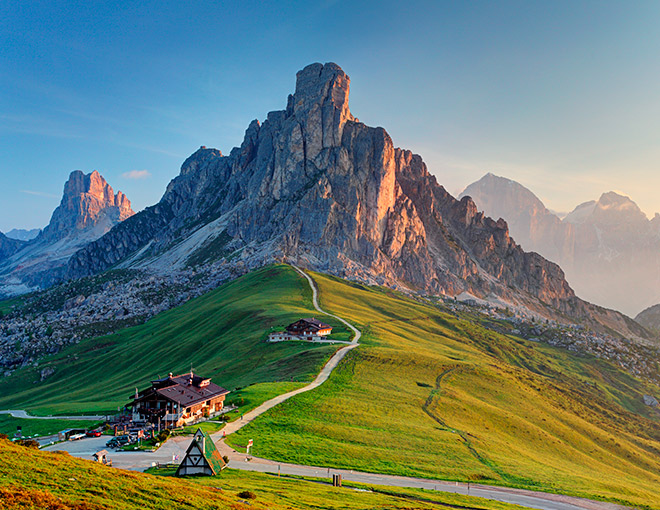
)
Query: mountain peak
[
  {"x": 320, "y": 103},
  {"x": 318, "y": 84},
  {"x": 507, "y": 193},
  {"x": 614, "y": 198},
  {"x": 88, "y": 201},
  {"x": 614, "y": 207}
]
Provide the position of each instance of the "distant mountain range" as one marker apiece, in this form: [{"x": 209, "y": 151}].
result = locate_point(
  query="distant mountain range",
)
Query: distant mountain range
[
  {"x": 314, "y": 186},
  {"x": 89, "y": 208},
  {"x": 608, "y": 248},
  {"x": 22, "y": 234}
]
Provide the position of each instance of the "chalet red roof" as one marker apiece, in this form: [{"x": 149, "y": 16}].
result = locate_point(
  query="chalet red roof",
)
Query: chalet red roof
[{"x": 185, "y": 389}]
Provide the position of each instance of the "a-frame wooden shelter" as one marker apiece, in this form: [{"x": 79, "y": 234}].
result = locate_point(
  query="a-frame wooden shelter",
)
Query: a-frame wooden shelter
[{"x": 202, "y": 457}]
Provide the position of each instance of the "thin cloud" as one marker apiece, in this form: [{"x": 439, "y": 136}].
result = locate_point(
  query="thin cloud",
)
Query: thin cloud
[
  {"x": 39, "y": 193},
  {"x": 136, "y": 174}
]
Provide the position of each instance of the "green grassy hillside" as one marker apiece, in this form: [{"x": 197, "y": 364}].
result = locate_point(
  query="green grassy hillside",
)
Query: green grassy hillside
[
  {"x": 31, "y": 479},
  {"x": 431, "y": 395},
  {"x": 426, "y": 394},
  {"x": 222, "y": 334}
]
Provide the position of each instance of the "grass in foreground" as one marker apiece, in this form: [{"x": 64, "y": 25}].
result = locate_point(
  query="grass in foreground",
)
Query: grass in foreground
[
  {"x": 30, "y": 478},
  {"x": 430, "y": 395},
  {"x": 222, "y": 334}
]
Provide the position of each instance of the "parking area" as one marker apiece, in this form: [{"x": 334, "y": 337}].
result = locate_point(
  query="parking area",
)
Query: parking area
[{"x": 137, "y": 460}]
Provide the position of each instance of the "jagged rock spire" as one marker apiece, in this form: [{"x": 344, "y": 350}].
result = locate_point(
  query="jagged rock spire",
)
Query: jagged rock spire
[
  {"x": 87, "y": 201},
  {"x": 320, "y": 103}
]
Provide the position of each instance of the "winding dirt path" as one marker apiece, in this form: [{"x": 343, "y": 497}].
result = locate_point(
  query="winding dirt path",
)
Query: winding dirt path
[{"x": 325, "y": 372}]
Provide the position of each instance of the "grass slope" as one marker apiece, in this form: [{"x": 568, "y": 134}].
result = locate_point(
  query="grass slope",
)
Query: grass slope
[
  {"x": 428, "y": 394},
  {"x": 222, "y": 334},
  {"x": 30, "y": 478}
]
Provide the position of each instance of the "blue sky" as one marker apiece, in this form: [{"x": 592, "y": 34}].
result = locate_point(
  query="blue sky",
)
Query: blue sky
[{"x": 561, "y": 96}]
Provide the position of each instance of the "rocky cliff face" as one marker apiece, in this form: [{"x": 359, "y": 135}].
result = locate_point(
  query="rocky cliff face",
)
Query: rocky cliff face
[
  {"x": 89, "y": 208},
  {"x": 608, "y": 248},
  {"x": 9, "y": 246},
  {"x": 88, "y": 203},
  {"x": 531, "y": 224},
  {"x": 314, "y": 185}
]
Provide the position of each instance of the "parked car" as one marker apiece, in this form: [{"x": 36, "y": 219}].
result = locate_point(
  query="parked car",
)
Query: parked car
[
  {"x": 94, "y": 433},
  {"x": 118, "y": 441}
]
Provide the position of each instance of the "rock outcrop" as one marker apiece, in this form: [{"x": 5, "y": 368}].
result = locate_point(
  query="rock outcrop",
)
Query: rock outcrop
[
  {"x": 314, "y": 185},
  {"x": 608, "y": 248},
  {"x": 89, "y": 208},
  {"x": 9, "y": 246},
  {"x": 532, "y": 225},
  {"x": 88, "y": 203}
]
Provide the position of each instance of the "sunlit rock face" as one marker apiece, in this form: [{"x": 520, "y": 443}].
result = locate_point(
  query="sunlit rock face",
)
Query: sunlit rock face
[
  {"x": 88, "y": 202},
  {"x": 608, "y": 248},
  {"x": 89, "y": 208},
  {"x": 313, "y": 185}
]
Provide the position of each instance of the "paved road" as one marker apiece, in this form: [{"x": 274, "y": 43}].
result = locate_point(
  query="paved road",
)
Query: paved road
[
  {"x": 529, "y": 499},
  {"x": 19, "y": 413}
]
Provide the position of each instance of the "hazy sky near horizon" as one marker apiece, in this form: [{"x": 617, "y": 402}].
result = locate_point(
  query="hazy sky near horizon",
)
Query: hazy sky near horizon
[{"x": 561, "y": 96}]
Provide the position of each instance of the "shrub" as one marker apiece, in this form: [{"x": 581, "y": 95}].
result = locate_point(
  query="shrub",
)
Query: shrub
[
  {"x": 247, "y": 495},
  {"x": 30, "y": 443}
]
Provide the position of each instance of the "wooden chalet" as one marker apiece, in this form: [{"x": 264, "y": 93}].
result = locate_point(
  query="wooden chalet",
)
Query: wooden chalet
[
  {"x": 311, "y": 330},
  {"x": 202, "y": 457},
  {"x": 178, "y": 400},
  {"x": 309, "y": 327}
]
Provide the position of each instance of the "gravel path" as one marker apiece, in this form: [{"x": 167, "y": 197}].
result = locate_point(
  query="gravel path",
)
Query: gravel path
[{"x": 325, "y": 372}]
